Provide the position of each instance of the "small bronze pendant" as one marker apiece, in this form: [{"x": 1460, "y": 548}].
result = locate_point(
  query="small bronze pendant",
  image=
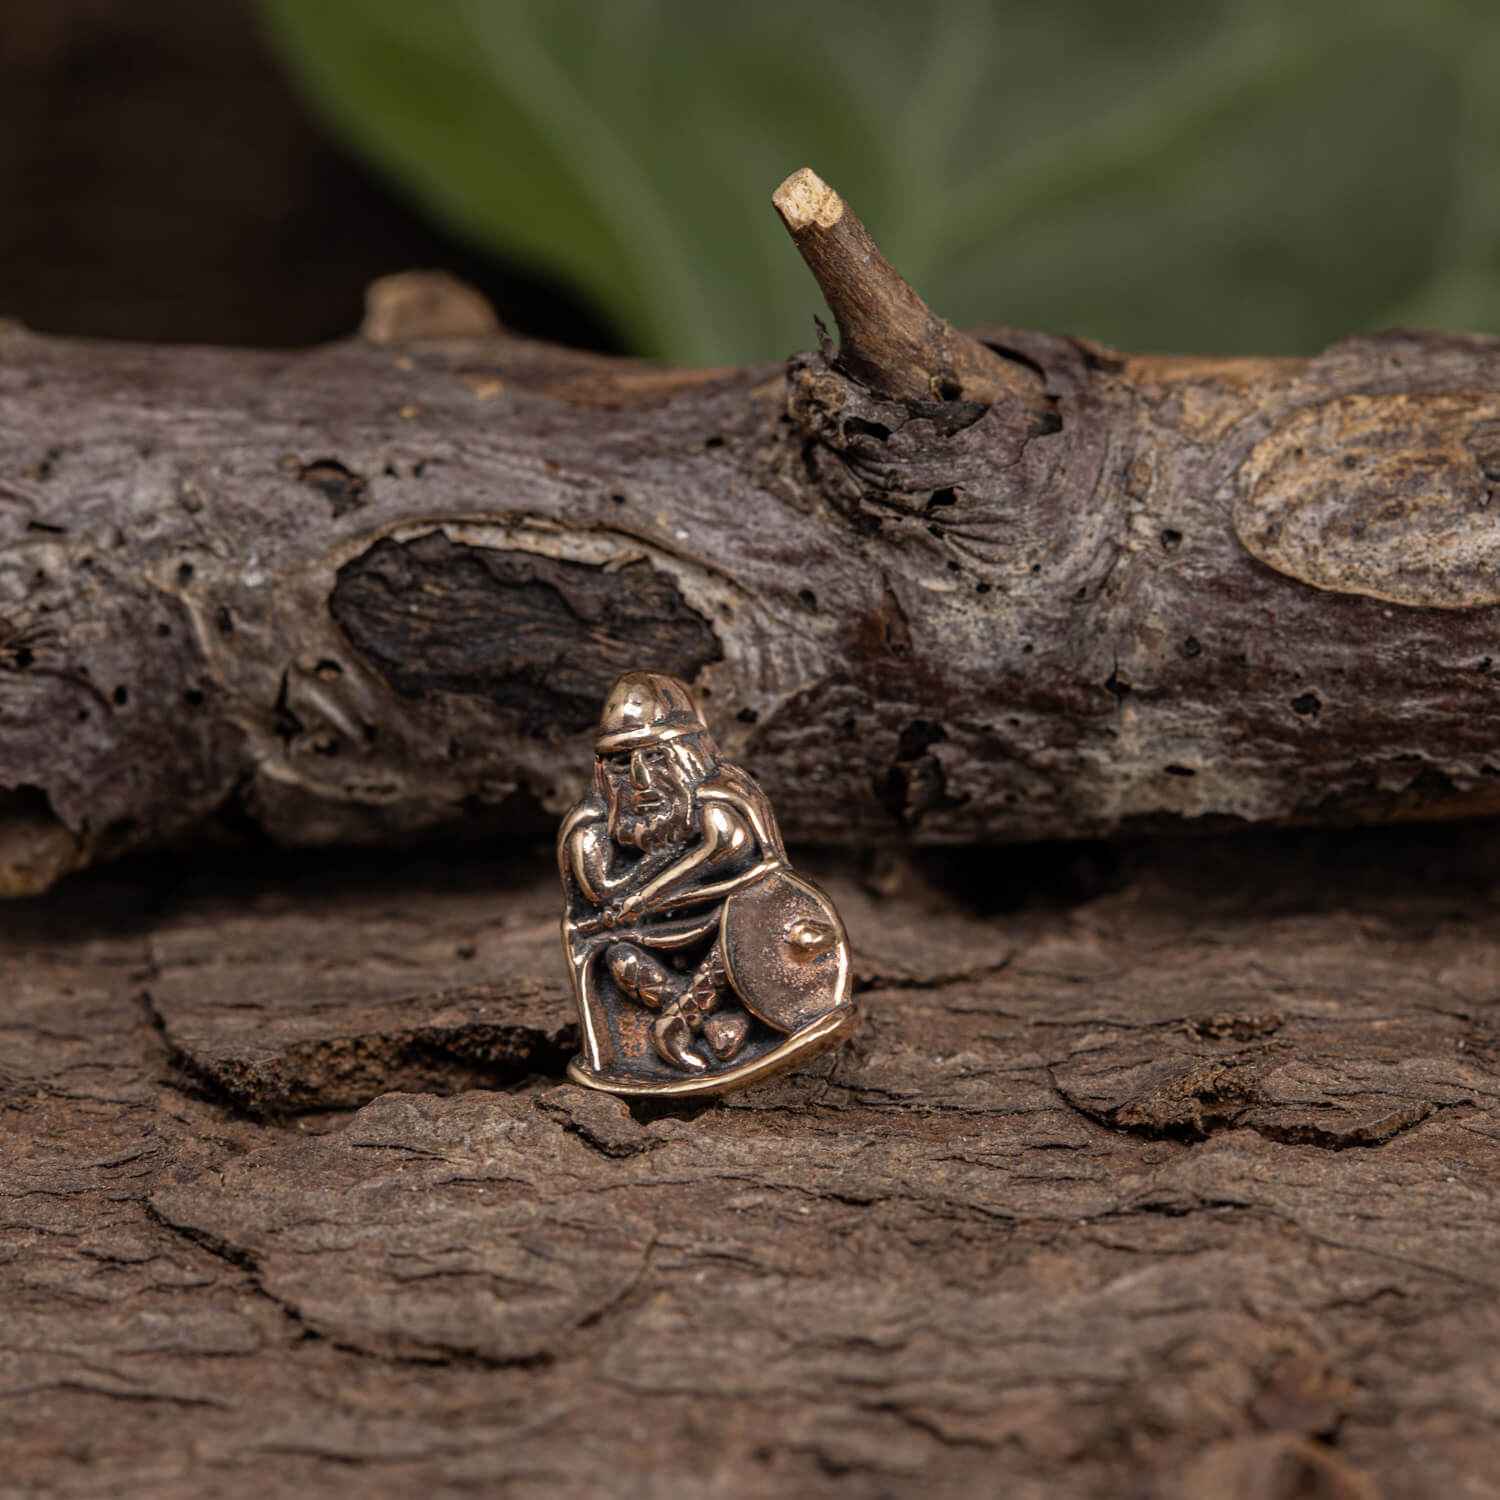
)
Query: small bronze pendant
[{"x": 701, "y": 961}]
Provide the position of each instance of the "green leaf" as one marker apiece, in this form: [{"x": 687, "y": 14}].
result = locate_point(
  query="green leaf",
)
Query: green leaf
[{"x": 1200, "y": 175}]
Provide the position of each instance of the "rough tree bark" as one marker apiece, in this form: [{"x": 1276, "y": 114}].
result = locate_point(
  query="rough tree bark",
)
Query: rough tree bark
[
  {"x": 936, "y": 587},
  {"x": 1186, "y": 1189}
]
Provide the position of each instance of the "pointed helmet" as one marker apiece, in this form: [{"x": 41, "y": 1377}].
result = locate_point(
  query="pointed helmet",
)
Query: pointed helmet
[{"x": 646, "y": 708}]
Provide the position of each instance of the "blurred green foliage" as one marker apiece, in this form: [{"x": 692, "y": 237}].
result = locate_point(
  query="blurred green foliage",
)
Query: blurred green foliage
[{"x": 1198, "y": 175}]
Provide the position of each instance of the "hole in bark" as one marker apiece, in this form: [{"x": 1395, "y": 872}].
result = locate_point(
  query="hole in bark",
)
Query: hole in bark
[
  {"x": 45, "y": 465},
  {"x": 982, "y": 588},
  {"x": 121, "y": 695},
  {"x": 748, "y": 716},
  {"x": 225, "y": 620},
  {"x": 47, "y": 527},
  {"x": 894, "y": 628},
  {"x": 1117, "y": 683},
  {"x": 940, "y": 498},
  {"x": 328, "y": 669},
  {"x": 1171, "y": 540},
  {"x": 1176, "y": 770},
  {"x": 193, "y": 698},
  {"x": 1483, "y": 666},
  {"x": 808, "y": 598},
  {"x": 343, "y": 489},
  {"x": 1307, "y": 706},
  {"x": 915, "y": 782},
  {"x": 617, "y": 497},
  {"x": 184, "y": 573},
  {"x": 861, "y": 428},
  {"x": 714, "y": 442},
  {"x": 284, "y": 723},
  {"x": 1190, "y": 646},
  {"x": 917, "y": 736}
]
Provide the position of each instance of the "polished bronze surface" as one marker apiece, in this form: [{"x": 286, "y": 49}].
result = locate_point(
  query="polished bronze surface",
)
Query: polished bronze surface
[{"x": 700, "y": 961}]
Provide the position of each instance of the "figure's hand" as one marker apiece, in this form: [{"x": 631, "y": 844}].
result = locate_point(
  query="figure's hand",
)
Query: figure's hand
[{"x": 622, "y": 913}]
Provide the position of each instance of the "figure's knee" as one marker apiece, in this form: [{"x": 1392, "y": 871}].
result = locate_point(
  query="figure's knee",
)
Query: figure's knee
[{"x": 638, "y": 975}]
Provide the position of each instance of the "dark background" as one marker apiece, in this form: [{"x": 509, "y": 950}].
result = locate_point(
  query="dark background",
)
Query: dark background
[{"x": 161, "y": 181}]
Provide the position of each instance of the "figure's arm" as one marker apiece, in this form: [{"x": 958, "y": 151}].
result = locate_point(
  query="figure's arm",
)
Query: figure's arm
[
  {"x": 589, "y": 855},
  {"x": 726, "y": 836}
]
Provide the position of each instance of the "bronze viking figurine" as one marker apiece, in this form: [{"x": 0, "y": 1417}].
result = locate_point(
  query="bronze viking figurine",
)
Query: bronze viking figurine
[{"x": 701, "y": 962}]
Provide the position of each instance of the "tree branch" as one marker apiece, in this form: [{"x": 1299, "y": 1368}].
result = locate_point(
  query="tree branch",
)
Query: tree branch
[{"x": 381, "y": 588}]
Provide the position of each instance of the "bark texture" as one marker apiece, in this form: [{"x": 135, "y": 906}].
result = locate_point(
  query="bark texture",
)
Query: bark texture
[
  {"x": 374, "y": 589},
  {"x": 1184, "y": 1188}
]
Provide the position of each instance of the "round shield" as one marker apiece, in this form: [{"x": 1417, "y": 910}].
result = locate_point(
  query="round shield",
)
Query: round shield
[{"x": 786, "y": 951}]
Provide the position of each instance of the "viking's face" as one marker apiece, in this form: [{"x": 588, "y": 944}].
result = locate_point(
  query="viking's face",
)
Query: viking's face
[{"x": 649, "y": 791}]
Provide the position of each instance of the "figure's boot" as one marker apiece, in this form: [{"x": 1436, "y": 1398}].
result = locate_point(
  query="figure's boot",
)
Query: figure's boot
[
  {"x": 672, "y": 1033},
  {"x": 640, "y": 977},
  {"x": 725, "y": 1035}
]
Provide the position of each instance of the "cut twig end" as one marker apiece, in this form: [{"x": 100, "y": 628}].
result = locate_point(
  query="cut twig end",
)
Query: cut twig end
[
  {"x": 805, "y": 199},
  {"x": 889, "y": 339}
]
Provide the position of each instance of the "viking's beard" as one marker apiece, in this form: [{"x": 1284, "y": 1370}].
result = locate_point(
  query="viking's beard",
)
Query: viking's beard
[{"x": 646, "y": 821}]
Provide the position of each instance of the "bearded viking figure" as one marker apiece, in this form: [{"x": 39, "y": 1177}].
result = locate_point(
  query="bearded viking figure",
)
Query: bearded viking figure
[{"x": 701, "y": 962}]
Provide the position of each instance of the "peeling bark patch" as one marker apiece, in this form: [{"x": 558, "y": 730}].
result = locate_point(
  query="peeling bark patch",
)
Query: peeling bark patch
[
  {"x": 1388, "y": 496},
  {"x": 1167, "y": 1089},
  {"x": 541, "y": 639},
  {"x": 486, "y": 1037}
]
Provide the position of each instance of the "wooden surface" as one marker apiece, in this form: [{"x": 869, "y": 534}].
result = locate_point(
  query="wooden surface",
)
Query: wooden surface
[
  {"x": 370, "y": 590},
  {"x": 1177, "y": 1179}
]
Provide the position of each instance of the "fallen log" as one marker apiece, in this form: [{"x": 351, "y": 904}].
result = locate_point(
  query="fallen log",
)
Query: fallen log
[{"x": 934, "y": 586}]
